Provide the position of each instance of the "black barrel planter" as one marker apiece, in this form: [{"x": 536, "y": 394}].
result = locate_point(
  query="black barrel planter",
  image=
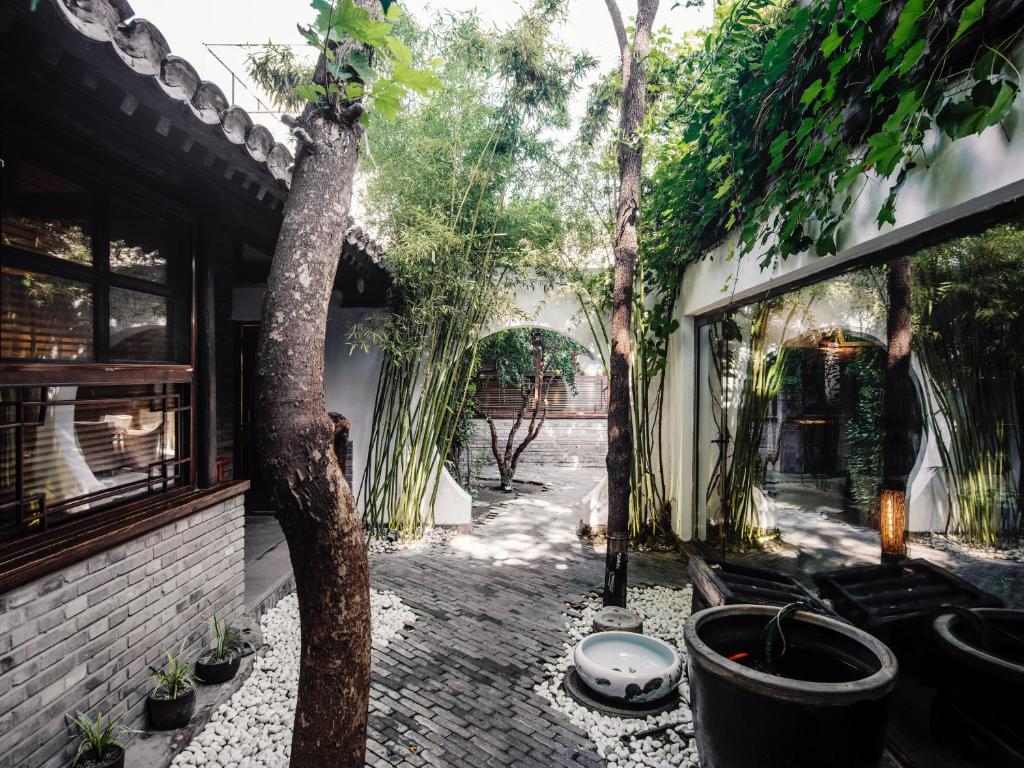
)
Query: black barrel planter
[
  {"x": 211, "y": 671},
  {"x": 113, "y": 758},
  {"x": 166, "y": 714},
  {"x": 980, "y": 684},
  {"x": 828, "y": 706}
]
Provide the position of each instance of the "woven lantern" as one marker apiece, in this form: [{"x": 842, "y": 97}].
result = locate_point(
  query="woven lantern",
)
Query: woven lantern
[{"x": 892, "y": 524}]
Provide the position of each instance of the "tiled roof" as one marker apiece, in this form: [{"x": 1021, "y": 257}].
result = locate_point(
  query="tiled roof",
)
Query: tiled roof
[{"x": 142, "y": 48}]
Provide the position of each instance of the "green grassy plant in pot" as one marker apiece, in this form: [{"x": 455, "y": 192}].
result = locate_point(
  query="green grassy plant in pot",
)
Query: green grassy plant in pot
[
  {"x": 173, "y": 698},
  {"x": 99, "y": 744},
  {"x": 784, "y": 687},
  {"x": 220, "y": 663}
]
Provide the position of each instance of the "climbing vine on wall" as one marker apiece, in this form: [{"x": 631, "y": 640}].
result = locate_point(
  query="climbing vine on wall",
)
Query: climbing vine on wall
[{"x": 771, "y": 123}]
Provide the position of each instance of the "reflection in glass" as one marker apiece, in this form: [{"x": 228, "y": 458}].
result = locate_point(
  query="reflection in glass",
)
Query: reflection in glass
[
  {"x": 45, "y": 216},
  {"x": 139, "y": 246},
  {"x": 44, "y": 317},
  {"x": 83, "y": 448},
  {"x": 138, "y": 326},
  {"x": 61, "y": 239}
]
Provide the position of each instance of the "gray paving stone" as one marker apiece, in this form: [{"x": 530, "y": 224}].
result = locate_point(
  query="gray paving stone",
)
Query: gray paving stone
[{"x": 488, "y": 609}]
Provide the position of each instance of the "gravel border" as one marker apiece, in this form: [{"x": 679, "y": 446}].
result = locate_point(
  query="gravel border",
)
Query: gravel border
[{"x": 664, "y": 611}]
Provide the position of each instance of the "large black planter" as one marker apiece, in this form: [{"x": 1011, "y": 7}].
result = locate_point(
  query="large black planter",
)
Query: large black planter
[
  {"x": 113, "y": 759},
  {"x": 829, "y": 705},
  {"x": 211, "y": 672},
  {"x": 167, "y": 714},
  {"x": 977, "y": 709}
]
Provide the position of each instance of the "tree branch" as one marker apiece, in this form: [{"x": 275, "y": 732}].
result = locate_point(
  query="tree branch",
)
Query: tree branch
[{"x": 620, "y": 28}]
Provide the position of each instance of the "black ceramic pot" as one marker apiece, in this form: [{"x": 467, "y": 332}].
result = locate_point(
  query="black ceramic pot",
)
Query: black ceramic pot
[
  {"x": 114, "y": 758},
  {"x": 980, "y": 682},
  {"x": 826, "y": 704},
  {"x": 212, "y": 671},
  {"x": 167, "y": 714}
]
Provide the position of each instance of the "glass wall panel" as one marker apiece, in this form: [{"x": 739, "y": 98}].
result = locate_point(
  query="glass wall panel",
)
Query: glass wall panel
[
  {"x": 795, "y": 387},
  {"x": 44, "y": 317},
  {"x": 139, "y": 328}
]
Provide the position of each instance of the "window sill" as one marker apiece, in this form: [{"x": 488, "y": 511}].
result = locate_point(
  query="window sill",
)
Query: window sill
[{"x": 31, "y": 557}]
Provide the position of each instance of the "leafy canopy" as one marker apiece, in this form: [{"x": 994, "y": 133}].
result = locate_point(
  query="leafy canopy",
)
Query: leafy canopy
[
  {"x": 378, "y": 71},
  {"x": 769, "y": 124}
]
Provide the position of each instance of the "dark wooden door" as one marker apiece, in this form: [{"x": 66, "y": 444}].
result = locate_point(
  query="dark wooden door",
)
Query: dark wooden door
[{"x": 258, "y": 498}]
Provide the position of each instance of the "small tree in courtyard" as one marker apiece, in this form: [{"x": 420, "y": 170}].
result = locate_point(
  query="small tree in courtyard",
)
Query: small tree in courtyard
[{"x": 523, "y": 360}]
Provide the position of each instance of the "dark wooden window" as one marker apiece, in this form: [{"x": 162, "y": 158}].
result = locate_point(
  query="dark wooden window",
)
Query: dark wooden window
[
  {"x": 69, "y": 450},
  {"x": 88, "y": 277},
  {"x": 96, "y": 380}
]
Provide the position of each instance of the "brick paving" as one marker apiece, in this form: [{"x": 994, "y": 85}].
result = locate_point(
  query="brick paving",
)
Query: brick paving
[{"x": 458, "y": 689}]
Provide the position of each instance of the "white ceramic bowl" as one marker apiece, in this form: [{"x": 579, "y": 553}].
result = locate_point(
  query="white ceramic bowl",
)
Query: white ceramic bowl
[{"x": 627, "y": 666}]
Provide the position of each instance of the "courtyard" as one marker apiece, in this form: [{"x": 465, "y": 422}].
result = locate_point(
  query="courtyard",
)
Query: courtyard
[{"x": 512, "y": 384}]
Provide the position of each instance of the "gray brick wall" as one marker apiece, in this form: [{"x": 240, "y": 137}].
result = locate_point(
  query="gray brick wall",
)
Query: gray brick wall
[
  {"x": 563, "y": 442},
  {"x": 82, "y": 639}
]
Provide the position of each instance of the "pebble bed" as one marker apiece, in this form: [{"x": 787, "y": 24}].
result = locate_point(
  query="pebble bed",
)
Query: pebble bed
[
  {"x": 253, "y": 729},
  {"x": 664, "y": 612},
  {"x": 948, "y": 543},
  {"x": 435, "y": 538}
]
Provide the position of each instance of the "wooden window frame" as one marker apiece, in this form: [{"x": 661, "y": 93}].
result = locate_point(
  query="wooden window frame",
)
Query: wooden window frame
[
  {"x": 178, "y": 290},
  {"x": 32, "y": 555}
]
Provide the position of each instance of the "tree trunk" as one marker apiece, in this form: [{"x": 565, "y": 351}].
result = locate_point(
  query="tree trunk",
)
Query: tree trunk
[
  {"x": 630, "y": 157},
  {"x": 313, "y": 501},
  {"x": 896, "y": 409},
  {"x": 508, "y": 460}
]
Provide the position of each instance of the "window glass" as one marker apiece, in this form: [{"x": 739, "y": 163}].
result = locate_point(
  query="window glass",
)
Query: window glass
[
  {"x": 45, "y": 317},
  {"x": 48, "y": 216},
  {"x": 139, "y": 326},
  {"x": 83, "y": 448},
  {"x": 139, "y": 245}
]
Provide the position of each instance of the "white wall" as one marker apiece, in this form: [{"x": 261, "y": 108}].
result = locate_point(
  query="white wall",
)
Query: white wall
[{"x": 962, "y": 179}]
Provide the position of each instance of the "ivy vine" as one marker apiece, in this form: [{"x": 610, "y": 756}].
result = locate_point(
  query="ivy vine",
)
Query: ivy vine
[{"x": 768, "y": 125}]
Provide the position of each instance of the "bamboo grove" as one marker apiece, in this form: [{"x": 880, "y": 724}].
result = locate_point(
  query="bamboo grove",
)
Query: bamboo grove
[{"x": 459, "y": 184}]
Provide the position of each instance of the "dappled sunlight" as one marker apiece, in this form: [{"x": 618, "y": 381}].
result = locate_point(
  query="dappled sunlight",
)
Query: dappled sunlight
[{"x": 530, "y": 528}]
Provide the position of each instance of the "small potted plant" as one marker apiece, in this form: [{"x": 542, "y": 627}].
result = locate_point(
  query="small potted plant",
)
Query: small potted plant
[
  {"x": 98, "y": 743},
  {"x": 220, "y": 663},
  {"x": 173, "y": 698}
]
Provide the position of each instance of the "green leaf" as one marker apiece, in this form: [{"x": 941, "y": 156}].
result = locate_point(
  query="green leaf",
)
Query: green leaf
[
  {"x": 886, "y": 151},
  {"x": 724, "y": 187},
  {"x": 970, "y": 16},
  {"x": 816, "y": 154},
  {"x": 851, "y": 175},
  {"x": 778, "y": 146},
  {"x": 806, "y": 125},
  {"x": 832, "y": 42},
  {"x": 812, "y": 91},
  {"x": 309, "y": 91},
  {"x": 362, "y": 67},
  {"x": 906, "y": 27},
  {"x": 422, "y": 81},
  {"x": 719, "y": 161},
  {"x": 349, "y": 19},
  {"x": 866, "y": 10},
  {"x": 400, "y": 50},
  {"x": 386, "y": 99},
  {"x": 880, "y": 80},
  {"x": 1001, "y": 105},
  {"x": 912, "y": 56},
  {"x": 909, "y": 103}
]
